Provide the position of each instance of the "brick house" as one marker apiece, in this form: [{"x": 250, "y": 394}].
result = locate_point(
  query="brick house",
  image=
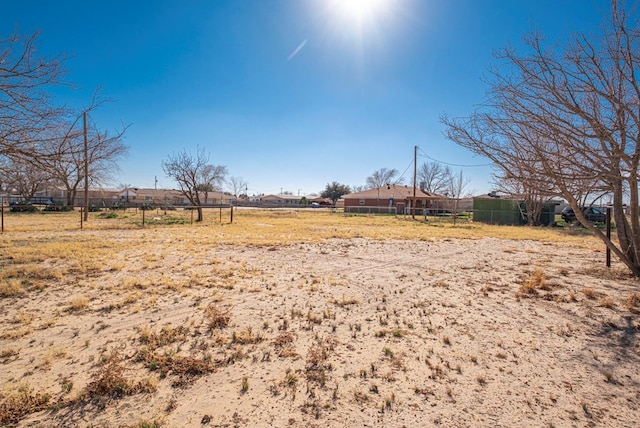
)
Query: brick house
[{"x": 392, "y": 198}]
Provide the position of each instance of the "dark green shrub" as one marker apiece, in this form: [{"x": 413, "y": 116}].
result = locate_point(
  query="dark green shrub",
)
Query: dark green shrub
[
  {"x": 23, "y": 208},
  {"x": 58, "y": 206}
]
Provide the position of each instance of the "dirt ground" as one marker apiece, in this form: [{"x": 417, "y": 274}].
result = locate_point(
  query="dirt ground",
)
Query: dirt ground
[{"x": 345, "y": 332}]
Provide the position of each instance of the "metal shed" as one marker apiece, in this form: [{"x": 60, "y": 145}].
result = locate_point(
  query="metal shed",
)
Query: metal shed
[{"x": 493, "y": 210}]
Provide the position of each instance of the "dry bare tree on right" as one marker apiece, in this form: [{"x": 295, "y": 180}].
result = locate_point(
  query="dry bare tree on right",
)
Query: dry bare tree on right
[{"x": 565, "y": 120}]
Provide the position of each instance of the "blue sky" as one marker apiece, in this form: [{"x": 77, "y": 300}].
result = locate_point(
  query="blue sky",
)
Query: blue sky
[{"x": 288, "y": 94}]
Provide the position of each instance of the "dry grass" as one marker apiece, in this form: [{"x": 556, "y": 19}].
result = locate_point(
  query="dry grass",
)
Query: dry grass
[
  {"x": 632, "y": 302},
  {"x": 256, "y": 227},
  {"x": 11, "y": 287},
  {"x": 109, "y": 382},
  {"x": 536, "y": 281},
  {"x": 78, "y": 303},
  {"x": 21, "y": 401},
  {"x": 163, "y": 297},
  {"x": 216, "y": 318}
]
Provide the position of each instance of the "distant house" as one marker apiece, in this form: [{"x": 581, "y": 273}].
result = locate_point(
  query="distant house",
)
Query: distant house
[
  {"x": 281, "y": 199},
  {"x": 59, "y": 194},
  {"x": 393, "y": 198},
  {"x": 134, "y": 195}
]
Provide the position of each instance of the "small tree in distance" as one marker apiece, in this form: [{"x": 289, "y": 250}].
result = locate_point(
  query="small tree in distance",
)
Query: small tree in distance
[
  {"x": 335, "y": 191},
  {"x": 194, "y": 175}
]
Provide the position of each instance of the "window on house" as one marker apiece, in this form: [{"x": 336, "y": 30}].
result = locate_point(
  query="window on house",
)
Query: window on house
[{"x": 361, "y": 201}]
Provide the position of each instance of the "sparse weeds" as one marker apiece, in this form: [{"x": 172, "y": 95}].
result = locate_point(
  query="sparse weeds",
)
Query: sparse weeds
[
  {"x": 109, "y": 381},
  {"x": 165, "y": 336},
  {"x": 590, "y": 293},
  {"x": 8, "y": 353},
  {"x": 246, "y": 337},
  {"x": 607, "y": 302},
  {"x": 11, "y": 287},
  {"x": 186, "y": 369},
  {"x": 146, "y": 424},
  {"x": 317, "y": 365},
  {"x": 78, "y": 303},
  {"x": 632, "y": 302},
  {"x": 530, "y": 286},
  {"x": 19, "y": 402},
  {"x": 216, "y": 317},
  {"x": 346, "y": 301}
]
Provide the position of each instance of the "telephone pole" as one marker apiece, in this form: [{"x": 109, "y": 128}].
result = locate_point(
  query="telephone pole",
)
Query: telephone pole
[
  {"x": 415, "y": 173},
  {"x": 86, "y": 168}
]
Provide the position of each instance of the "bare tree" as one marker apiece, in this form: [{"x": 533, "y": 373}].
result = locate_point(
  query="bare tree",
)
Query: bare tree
[
  {"x": 238, "y": 185},
  {"x": 64, "y": 156},
  {"x": 382, "y": 177},
  {"x": 211, "y": 178},
  {"x": 357, "y": 188},
  {"x": 27, "y": 109},
  {"x": 23, "y": 178},
  {"x": 194, "y": 175},
  {"x": 567, "y": 121},
  {"x": 434, "y": 178},
  {"x": 456, "y": 187}
]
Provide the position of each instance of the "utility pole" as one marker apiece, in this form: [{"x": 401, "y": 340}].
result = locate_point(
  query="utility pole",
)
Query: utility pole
[
  {"x": 86, "y": 169},
  {"x": 415, "y": 173},
  {"x": 156, "y": 182}
]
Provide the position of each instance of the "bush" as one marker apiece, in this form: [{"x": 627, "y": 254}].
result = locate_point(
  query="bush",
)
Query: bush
[
  {"x": 108, "y": 215},
  {"x": 57, "y": 206},
  {"x": 23, "y": 208},
  {"x": 94, "y": 209}
]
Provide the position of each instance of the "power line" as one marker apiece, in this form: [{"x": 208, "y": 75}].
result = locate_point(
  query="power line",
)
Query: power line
[
  {"x": 405, "y": 171},
  {"x": 453, "y": 164}
]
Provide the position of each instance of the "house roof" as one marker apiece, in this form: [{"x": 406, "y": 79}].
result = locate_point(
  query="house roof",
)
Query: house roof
[
  {"x": 161, "y": 193},
  {"x": 283, "y": 197},
  {"x": 395, "y": 191}
]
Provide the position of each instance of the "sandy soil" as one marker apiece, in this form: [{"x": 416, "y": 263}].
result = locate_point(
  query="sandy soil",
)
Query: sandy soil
[{"x": 353, "y": 332}]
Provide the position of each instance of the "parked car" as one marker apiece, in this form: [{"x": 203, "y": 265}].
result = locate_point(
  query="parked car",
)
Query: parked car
[{"x": 593, "y": 215}]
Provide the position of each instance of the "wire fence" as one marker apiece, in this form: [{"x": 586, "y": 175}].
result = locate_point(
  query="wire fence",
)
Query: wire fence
[
  {"x": 48, "y": 213},
  {"x": 17, "y": 215}
]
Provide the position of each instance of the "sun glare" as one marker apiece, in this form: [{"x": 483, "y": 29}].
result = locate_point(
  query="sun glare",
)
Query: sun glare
[
  {"x": 360, "y": 18},
  {"x": 360, "y": 9}
]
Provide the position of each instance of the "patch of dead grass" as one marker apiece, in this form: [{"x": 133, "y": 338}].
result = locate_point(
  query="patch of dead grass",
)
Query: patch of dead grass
[
  {"x": 20, "y": 401},
  {"x": 536, "y": 281}
]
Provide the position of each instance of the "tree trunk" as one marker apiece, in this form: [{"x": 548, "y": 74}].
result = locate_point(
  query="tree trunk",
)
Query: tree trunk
[{"x": 200, "y": 216}]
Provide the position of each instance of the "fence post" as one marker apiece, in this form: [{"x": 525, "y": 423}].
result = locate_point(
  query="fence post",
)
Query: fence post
[
  {"x": 231, "y": 214},
  {"x": 2, "y": 209},
  {"x": 608, "y": 236},
  {"x": 143, "y": 211},
  {"x": 81, "y": 218}
]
